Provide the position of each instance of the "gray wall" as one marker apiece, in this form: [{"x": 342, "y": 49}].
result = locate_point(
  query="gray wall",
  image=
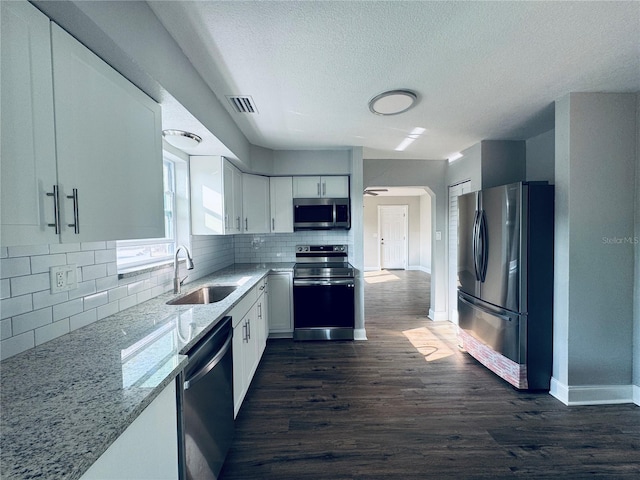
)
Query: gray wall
[
  {"x": 636, "y": 295},
  {"x": 595, "y": 175},
  {"x": 541, "y": 157},
  {"x": 421, "y": 173}
]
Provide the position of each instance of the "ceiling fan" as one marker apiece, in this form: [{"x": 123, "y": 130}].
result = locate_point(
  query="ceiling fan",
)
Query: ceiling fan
[{"x": 372, "y": 191}]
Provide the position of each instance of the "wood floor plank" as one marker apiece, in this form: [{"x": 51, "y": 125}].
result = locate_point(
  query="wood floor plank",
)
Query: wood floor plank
[{"x": 409, "y": 404}]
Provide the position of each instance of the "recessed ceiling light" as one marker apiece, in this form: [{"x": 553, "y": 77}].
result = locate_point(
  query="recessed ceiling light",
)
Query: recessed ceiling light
[
  {"x": 392, "y": 102},
  {"x": 181, "y": 139}
]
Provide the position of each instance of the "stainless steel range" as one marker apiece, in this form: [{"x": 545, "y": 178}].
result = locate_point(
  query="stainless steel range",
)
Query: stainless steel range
[{"x": 323, "y": 293}]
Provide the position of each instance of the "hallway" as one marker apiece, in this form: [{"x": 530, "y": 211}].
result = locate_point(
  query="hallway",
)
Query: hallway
[{"x": 408, "y": 404}]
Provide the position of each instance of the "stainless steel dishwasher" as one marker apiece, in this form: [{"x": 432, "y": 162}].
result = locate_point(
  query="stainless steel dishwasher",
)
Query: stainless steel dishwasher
[{"x": 206, "y": 405}]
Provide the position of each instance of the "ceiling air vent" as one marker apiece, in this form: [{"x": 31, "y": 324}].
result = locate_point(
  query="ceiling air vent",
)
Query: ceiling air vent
[{"x": 242, "y": 103}]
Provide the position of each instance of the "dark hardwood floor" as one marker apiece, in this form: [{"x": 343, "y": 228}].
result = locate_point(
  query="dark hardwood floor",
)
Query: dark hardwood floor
[{"x": 408, "y": 404}]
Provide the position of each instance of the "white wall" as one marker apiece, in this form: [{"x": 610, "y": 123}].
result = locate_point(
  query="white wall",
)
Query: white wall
[
  {"x": 595, "y": 171},
  {"x": 421, "y": 173},
  {"x": 419, "y": 227},
  {"x": 636, "y": 295}
]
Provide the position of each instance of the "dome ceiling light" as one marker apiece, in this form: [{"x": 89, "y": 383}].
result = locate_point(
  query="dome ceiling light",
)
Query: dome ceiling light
[
  {"x": 180, "y": 139},
  {"x": 392, "y": 102}
]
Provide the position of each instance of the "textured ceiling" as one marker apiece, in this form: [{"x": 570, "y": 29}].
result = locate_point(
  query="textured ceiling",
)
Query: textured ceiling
[{"x": 482, "y": 70}]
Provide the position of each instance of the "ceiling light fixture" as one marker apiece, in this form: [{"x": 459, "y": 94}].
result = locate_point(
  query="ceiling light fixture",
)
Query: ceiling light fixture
[
  {"x": 393, "y": 102},
  {"x": 181, "y": 139}
]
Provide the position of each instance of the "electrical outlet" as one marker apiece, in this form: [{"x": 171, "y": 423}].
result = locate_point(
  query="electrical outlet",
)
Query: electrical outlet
[{"x": 63, "y": 278}]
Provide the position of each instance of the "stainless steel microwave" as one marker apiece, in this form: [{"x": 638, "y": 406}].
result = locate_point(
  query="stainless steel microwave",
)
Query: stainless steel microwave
[{"x": 321, "y": 214}]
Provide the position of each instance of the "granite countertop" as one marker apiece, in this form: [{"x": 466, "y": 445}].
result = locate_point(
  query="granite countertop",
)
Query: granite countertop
[{"x": 64, "y": 402}]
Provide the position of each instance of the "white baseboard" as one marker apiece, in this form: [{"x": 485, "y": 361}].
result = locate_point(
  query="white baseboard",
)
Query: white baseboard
[
  {"x": 360, "y": 334},
  {"x": 371, "y": 269},
  {"x": 439, "y": 316},
  {"x": 420, "y": 268},
  {"x": 594, "y": 394}
]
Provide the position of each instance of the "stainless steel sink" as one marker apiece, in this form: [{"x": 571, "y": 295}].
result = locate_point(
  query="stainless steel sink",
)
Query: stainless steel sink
[{"x": 204, "y": 295}]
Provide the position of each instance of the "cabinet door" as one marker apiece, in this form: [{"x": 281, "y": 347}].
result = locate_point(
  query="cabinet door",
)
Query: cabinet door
[
  {"x": 239, "y": 383},
  {"x": 280, "y": 290},
  {"x": 237, "y": 200},
  {"x": 306, "y": 187},
  {"x": 255, "y": 205},
  {"x": 28, "y": 168},
  {"x": 148, "y": 448},
  {"x": 207, "y": 204},
  {"x": 230, "y": 222},
  {"x": 109, "y": 148},
  {"x": 335, "y": 187},
  {"x": 281, "y": 204}
]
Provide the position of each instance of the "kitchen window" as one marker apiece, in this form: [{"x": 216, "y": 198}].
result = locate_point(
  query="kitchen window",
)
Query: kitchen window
[{"x": 133, "y": 254}]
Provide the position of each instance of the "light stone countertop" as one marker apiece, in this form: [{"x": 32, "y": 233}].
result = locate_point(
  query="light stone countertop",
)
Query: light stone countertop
[{"x": 64, "y": 402}]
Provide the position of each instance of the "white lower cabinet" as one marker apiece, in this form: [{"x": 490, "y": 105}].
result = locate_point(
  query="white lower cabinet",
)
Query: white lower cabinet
[
  {"x": 281, "y": 304},
  {"x": 249, "y": 341},
  {"x": 148, "y": 448}
]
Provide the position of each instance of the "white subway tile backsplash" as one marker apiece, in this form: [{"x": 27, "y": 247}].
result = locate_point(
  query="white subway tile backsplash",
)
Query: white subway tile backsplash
[
  {"x": 16, "y": 306},
  {"x": 17, "y": 344},
  {"x": 42, "y": 263},
  {"x": 81, "y": 258},
  {"x": 84, "y": 289},
  {"x": 30, "y": 315},
  {"x": 117, "y": 293},
  {"x": 31, "y": 321},
  {"x": 64, "y": 248},
  {"x": 30, "y": 284},
  {"x": 96, "y": 300},
  {"x": 106, "y": 283},
  {"x": 5, "y": 329},
  {"x": 13, "y": 267},
  {"x": 28, "y": 250},
  {"x": 92, "y": 272},
  {"x": 93, "y": 245},
  {"x": 128, "y": 302},
  {"x": 108, "y": 309},
  {"x": 51, "y": 331},
  {"x": 105, "y": 256},
  {"x": 67, "y": 309},
  {"x": 83, "y": 319},
  {"x": 46, "y": 299},
  {"x": 5, "y": 288}
]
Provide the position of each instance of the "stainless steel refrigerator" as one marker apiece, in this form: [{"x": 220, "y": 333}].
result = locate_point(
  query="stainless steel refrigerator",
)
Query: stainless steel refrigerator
[{"x": 505, "y": 281}]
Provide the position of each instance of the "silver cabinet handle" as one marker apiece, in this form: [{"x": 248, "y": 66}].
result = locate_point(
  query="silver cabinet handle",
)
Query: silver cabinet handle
[
  {"x": 56, "y": 209},
  {"x": 76, "y": 216},
  {"x": 246, "y": 224},
  {"x": 273, "y": 224},
  {"x": 324, "y": 188},
  {"x": 244, "y": 332},
  {"x": 318, "y": 185},
  {"x": 248, "y": 329},
  {"x": 226, "y": 221},
  {"x": 238, "y": 223}
]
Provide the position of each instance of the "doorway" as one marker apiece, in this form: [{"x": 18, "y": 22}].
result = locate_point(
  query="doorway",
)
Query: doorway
[{"x": 393, "y": 234}]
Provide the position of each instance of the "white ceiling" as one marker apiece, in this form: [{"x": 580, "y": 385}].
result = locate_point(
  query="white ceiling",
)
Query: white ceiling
[{"x": 482, "y": 70}]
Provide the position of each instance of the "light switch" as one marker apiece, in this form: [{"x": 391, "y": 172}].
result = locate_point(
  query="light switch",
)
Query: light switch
[{"x": 438, "y": 235}]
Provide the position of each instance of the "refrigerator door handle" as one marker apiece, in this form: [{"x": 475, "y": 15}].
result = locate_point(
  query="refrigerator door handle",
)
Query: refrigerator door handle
[
  {"x": 476, "y": 228},
  {"x": 484, "y": 250},
  {"x": 485, "y": 310}
]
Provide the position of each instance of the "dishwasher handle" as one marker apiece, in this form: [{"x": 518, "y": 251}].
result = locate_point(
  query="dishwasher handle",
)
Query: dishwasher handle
[{"x": 211, "y": 364}]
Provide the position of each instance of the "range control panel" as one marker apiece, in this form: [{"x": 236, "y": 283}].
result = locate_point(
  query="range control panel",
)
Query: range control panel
[{"x": 321, "y": 248}]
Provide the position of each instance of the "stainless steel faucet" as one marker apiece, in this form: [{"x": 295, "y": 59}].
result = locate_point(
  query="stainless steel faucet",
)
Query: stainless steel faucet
[{"x": 177, "y": 283}]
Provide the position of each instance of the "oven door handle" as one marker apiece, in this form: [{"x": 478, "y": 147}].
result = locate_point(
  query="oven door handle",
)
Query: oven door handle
[{"x": 307, "y": 282}]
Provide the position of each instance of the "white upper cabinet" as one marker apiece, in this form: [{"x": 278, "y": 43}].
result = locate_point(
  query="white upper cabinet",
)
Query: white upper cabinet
[
  {"x": 281, "y": 204},
  {"x": 109, "y": 148},
  {"x": 28, "y": 134},
  {"x": 215, "y": 187},
  {"x": 255, "y": 206},
  {"x": 81, "y": 146},
  {"x": 321, "y": 186}
]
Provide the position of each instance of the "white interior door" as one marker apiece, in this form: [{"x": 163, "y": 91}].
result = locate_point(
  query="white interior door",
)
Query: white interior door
[
  {"x": 392, "y": 221},
  {"x": 454, "y": 192}
]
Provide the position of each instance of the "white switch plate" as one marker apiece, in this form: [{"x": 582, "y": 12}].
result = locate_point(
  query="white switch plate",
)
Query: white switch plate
[
  {"x": 438, "y": 235},
  {"x": 63, "y": 278}
]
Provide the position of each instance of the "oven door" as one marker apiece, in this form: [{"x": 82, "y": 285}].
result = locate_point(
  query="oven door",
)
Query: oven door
[{"x": 323, "y": 309}]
